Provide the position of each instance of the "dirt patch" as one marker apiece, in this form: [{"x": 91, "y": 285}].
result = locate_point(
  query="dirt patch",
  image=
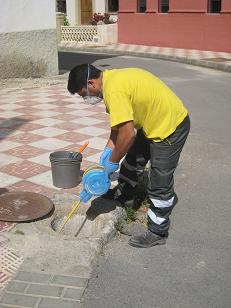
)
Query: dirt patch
[{"x": 25, "y": 83}]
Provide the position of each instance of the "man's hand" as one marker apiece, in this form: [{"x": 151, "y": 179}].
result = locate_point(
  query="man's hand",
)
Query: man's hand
[
  {"x": 105, "y": 155},
  {"x": 109, "y": 166}
]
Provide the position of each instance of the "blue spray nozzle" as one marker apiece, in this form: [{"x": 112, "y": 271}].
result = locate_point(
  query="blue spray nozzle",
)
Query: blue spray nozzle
[
  {"x": 95, "y": 183},
  {"x": 85, "y": 196}
]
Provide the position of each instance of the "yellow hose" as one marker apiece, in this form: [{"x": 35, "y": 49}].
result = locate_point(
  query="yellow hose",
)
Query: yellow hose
[{"x": 70, "y": 214}]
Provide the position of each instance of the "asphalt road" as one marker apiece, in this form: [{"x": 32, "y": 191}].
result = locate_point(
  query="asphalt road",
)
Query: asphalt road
[{"x": 194, "y": 268}]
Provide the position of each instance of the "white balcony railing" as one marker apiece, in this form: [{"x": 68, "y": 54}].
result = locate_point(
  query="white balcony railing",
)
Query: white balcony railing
[{"x": 79, "y": 34}]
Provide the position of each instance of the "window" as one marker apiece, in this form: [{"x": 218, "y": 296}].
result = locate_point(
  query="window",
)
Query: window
[
  {"x": 61, "y": 6},
  {"x": 112, "y": 6},
  {"x": 214, "y": 6},
  {"x": 141, "y": 6},
  {"x": 163, "y": 6}
]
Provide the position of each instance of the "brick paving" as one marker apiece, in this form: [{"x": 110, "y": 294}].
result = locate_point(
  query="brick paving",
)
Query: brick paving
[{"x": 38, "y": 290}]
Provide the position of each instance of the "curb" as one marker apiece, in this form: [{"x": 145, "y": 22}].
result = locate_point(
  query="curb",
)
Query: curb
[{"x": 196, "y": 62}]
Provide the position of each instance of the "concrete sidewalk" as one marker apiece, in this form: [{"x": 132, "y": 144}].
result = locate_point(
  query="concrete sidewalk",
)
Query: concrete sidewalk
[
  {"x": 210, "y": 59},
  {"x": 48, "y": 269}
]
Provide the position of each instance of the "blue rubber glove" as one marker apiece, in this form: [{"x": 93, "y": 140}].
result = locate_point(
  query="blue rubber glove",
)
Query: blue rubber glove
[
  {"x": 106, "y": 154},
  {"x": 109, "y": 166}
]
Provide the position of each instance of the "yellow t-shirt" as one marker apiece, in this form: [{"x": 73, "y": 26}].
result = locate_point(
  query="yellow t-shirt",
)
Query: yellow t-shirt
[{"x": 133, "y": 94}]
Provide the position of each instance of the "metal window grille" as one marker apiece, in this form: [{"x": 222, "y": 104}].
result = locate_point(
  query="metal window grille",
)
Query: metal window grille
[
  {"x": 112, "y": 6},
  {"x": 163, "y": 6},
  {"x": 214, "y": 6},
  {"x": 61, "y": 6},
  {"x": 141, "y": 6}
]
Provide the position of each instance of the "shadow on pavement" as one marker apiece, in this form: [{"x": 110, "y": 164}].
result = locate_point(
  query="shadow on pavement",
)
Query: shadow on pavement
[
  {"x": 3, "y": 190},
  {"x": 99, "y": 206},
  {"x": 8, "y": 126}
]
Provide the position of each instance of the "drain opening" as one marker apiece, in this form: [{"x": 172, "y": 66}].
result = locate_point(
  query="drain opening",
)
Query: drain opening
[
  {"x": 72, "y": 227},
  {"x": 78, "y": 226}
]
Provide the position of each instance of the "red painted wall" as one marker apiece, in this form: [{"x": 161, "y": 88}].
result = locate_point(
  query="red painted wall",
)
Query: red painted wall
[{"x": 187, "y": 25}]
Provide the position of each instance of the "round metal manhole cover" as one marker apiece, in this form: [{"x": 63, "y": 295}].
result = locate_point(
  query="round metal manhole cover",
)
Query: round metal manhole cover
[{"x": 24, "y": 206}]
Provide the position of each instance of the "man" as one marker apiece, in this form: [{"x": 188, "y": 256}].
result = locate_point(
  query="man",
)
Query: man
[{"x": 136, "y": 99}]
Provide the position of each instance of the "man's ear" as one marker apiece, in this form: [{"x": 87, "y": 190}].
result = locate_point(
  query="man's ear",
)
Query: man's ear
[{"x": 91, "y": 83}]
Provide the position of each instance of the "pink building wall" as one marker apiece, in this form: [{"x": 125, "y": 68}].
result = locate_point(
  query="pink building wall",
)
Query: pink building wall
[{"x": 186, "y": 25}]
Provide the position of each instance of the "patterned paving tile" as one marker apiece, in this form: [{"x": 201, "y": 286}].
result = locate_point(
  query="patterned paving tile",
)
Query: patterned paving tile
[
  {"x": 46, "y": 113},
  {"x": 45, "y": 106},
  {"x": 6, "y": 132},
  {"x": 49, "y": 131},
  {"x": 27, "y": 109},
  {"x": 101, "y": 116},
  {"x": 11, "y": 114},
  {"x": 32, "y": 187},
  {"x": 87, "y": 120},
  {"x": 63, "y": 109},
  {"x": 65, "y": 117},
  {"x": 50, "y": 144},
  {"x": 69, "y": 126},
  {"x": 7, "y": 107},
  {"x": 30, "y": 126},
  {"x": 79, "y": 106},
  {"x": 25, "y": 138},
  {"x": 43, "y": 159},
  {"x": 25, "y": 152},
  {"x": 48, "y": 121},
  {"x": 57, "y": 97},
  {"x": 44, "y": 179},
  {"x": 7, "y": 179},
  {"x": 43, "y": 100},
  {"x": 94, "y": 158},
  {"x": 7, "y": 144},
  {"x": 96, "y": 142},
  {"x": 82, "y": 113},
  {"x": 6, "y": 159},
  {"x": 91, "y": 131},
  {"x": 24, "y": 169},
  {"x": 73, "y": 137},
  {"x": 27, "y": 103}
]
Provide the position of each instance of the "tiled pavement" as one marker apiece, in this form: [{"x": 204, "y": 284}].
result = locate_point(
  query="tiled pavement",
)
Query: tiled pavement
[{"x": 36, "y": 122}]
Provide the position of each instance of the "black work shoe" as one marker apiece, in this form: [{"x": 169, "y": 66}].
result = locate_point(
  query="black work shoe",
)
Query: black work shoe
[{"x": 146, "y": 240}]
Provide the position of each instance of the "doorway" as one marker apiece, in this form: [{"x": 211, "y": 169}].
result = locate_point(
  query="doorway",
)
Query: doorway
[{"x": 86, "y": 12}]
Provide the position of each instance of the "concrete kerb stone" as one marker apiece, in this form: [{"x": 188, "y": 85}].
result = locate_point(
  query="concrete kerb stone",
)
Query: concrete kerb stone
[
  {"x": 55, "y": 263},
  {"x": 188, "y": 60}
]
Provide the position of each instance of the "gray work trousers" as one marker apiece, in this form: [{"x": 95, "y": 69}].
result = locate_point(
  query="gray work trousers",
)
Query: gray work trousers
[{"x": 163, "y": 157}]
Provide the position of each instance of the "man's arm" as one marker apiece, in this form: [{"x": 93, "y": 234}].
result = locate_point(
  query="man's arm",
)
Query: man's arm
[
  {"x": 112, "y": 139},
  {"x": 125, "y": 136}
]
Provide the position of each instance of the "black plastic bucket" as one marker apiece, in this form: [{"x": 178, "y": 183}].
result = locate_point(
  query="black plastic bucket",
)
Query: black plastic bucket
[{"x": 65, "y": 168}]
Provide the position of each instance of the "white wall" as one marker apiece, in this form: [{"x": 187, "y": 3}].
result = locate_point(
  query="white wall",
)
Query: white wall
[
  {"x": 27, "y": 15},
  {"x": 72, "y": 12},
  {"x": 99, "y": 6}
]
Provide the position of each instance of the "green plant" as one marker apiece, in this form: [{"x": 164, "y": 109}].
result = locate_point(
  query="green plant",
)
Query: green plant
[
  {"x": 131, "y": 214},
  {"x": 19, "y": 232},
  {"x": 66, "y": 21}
]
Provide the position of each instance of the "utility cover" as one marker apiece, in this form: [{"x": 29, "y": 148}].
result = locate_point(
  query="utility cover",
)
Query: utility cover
[{"x": 24, "y": 206}]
